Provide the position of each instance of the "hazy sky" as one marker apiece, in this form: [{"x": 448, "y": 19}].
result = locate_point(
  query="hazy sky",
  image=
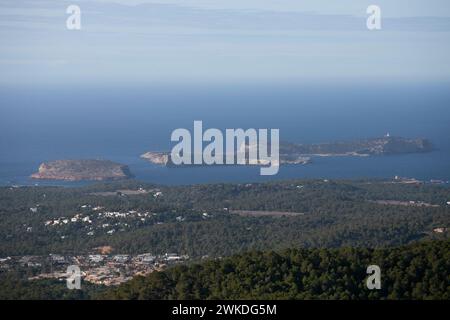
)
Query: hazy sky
[{"x": 139, "y": 41}]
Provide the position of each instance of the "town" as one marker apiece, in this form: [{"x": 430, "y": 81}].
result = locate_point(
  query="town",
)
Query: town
[{"x": 99, "y": 268}]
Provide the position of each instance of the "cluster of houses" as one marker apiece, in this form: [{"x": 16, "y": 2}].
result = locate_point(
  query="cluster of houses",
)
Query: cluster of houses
[
  {"x": 104, "y": 269},
  {"x": 96, "y": 219},
  {"x": 405, "y": 180},
  {"x": 63, "y": 220}
]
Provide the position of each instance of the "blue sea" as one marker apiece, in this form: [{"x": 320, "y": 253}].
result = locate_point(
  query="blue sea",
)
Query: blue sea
[{"x": 120, "y": 123}]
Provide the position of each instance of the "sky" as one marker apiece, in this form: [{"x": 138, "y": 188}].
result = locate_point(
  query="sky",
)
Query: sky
[{"x": 188, "y": 41}]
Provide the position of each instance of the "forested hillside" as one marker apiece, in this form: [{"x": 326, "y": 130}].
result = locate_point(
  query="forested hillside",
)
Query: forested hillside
[
  {"x": 419, "y": 271},
  {"x": 198, "y": 220}
]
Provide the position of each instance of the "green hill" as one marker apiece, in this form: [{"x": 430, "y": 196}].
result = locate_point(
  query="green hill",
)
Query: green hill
[{"x": 418, "y": 271}]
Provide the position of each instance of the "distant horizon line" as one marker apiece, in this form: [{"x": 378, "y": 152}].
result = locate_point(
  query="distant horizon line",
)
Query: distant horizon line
[{"x": 339, "y": 82}]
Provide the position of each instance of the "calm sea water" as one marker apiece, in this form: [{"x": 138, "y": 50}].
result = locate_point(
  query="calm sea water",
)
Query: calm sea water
[{"x": 38, "y": 125}]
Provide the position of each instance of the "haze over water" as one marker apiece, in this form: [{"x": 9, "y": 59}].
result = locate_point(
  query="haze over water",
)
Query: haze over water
[{"x": 38, "y": 125}]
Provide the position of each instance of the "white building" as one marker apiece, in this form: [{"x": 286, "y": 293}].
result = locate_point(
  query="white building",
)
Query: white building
[
  {"x": 96, "y": 258},
  {"x": 146, "y": 258},
  {"x": 121, "y": 258}
]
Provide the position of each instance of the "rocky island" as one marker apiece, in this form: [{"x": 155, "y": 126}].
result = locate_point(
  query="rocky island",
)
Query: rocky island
[
  {"x": 300, "y": 154},
  {"x": 76, "y": 170},
  {"x": 163, "y": 158}
]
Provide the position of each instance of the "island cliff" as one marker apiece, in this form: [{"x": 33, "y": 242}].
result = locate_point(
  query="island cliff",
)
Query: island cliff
[{"x": 76, "y": 170}]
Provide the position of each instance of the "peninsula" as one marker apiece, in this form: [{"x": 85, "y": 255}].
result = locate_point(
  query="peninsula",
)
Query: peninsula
[{"x": 386, "y": 145}]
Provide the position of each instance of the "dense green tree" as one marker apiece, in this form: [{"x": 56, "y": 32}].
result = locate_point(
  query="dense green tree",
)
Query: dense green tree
[{"x": 419, "y": 271}]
